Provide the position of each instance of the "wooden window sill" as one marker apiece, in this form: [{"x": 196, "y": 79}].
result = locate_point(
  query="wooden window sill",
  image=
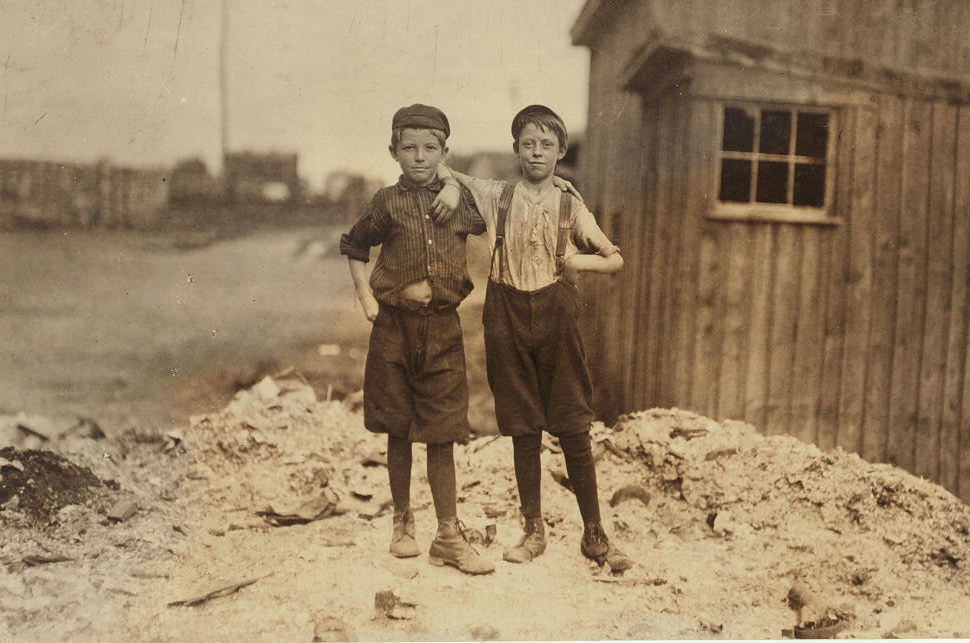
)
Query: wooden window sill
[{"x": 760, "y": 214}]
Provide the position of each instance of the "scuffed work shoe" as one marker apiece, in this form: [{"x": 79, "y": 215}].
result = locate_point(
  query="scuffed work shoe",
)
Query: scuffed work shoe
[
  {"x": 532, "y": 544},
  {"x": 451, "y": 547},
  {"x": 596, "y": 546},
  {"x": 403, "y": 544}
]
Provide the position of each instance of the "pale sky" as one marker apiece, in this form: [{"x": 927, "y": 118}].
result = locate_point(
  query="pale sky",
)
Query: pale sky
[{"x": 137, "y": 81}]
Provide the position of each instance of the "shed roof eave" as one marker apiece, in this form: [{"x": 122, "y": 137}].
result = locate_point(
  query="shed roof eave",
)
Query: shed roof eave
[
  {"x": 594, "y": 17},
  {"x": 663, "y": 50},
  {"x": 582, "y": 27}
]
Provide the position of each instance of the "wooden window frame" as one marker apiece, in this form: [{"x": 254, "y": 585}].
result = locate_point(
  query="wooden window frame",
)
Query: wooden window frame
[{"x": 775, "y": 212}]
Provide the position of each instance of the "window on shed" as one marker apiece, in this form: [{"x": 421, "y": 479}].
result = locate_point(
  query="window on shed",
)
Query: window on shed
[{"x": 775, "y": 163}]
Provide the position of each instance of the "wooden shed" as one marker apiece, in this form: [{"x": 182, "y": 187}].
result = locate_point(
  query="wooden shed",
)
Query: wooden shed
[{"x": 789, "y": 182}]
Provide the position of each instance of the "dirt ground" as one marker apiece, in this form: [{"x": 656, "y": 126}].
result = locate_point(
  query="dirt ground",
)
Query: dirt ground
[
  {"x": 269, "y": 520},
  {"x": 265, "y": 516}
]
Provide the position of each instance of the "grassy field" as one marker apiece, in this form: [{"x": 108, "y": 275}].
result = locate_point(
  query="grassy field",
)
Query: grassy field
[{"x": 143, "y": 329}]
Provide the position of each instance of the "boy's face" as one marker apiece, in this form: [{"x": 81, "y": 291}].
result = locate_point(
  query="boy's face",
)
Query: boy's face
[
  {"x": 419, "y": 153},
  {"x": 538, "y": 152}
]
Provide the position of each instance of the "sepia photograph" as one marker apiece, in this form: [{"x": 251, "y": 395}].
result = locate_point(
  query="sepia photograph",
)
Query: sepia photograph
[{"x": 491, "y": 320}]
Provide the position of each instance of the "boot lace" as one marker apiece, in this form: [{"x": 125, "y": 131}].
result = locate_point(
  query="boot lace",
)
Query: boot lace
[
  {"x": 595, "y": 534},
  {"x": 460, "y": 526}
]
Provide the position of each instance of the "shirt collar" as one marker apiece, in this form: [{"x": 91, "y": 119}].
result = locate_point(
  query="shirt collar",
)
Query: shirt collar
[
  {"x": 405, "y": 186},
  {"x": 542, "y": 198}
]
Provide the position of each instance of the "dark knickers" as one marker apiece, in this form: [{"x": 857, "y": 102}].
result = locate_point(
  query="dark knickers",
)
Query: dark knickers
[
  {"x": 414, "y": 379},
  {"x": 536, "y": 363}
]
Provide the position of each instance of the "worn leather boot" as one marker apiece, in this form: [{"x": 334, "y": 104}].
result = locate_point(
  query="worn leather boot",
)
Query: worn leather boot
[
  {"x": 451, "y": 547},
  {"x": 532, "y": 544},
  {"x": 596, "y": 546},
  {"x": 403, "y": 544}
]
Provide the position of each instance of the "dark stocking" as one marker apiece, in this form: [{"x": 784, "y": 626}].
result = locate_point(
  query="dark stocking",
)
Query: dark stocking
[
  {"x": 528, "y": 472},
  {"x": 399, "y": 471},
  {"x": 441, "y": 479},
  {"x": 582, "y": 473}
]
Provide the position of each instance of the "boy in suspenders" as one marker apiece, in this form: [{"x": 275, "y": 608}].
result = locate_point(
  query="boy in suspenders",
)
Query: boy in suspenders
[{"x": 542, "y": 239}]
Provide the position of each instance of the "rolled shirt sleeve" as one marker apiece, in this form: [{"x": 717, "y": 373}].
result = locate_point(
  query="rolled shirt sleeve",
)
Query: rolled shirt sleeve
[
  {"x": 369, "y": 231},
  {"x": 587, "y": 234},
  {"x": 471, "y": 217}
]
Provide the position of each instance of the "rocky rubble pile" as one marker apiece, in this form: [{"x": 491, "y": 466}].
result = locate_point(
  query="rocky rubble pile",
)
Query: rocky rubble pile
[
  {"x": 743, "y": 482},
  {"x": 849, "y": 528},
  {"x": 276, "y": 443}
]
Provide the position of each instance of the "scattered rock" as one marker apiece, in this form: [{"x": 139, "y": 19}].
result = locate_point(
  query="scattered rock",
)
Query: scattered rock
[
  {"x": 389, "y": 605},
  {"x": 33, "y": 561},
  {"x": 266, "y": 389},
  {"x": 299, "y": 391},
  {"x": 222, "y": 590},
  {"x": 561, "y": 478},
  {"x": 39, "y": 428},
  {"x": 173, "y": 439},
  {"x": 329, "y": 628},
  {"x": 824, "y": 628},
  {"x": 631, "y": 492},
  {"x": 85, "y": 428},
  {"x": 13, "y": 464},
  {"x": 376, "y": 507},
  {"x": 484, "y": 633},
  {"x": 375, "y": 459},
  {"x": 320, "y": 506},
  {"x": 122, "y": 510}
]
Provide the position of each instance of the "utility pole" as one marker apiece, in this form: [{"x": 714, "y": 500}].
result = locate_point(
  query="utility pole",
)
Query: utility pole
[{"x": 224, "y": 80}]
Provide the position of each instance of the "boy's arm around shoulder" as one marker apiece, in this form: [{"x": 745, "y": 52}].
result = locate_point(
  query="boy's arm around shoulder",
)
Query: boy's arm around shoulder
[{"x": 484, "y": 192}]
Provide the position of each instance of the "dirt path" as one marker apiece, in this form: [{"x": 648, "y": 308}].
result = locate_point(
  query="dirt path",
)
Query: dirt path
[{"x": 733, "y": 521}]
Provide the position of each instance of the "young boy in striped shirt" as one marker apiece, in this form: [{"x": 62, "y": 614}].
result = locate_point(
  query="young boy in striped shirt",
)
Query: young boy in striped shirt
[{"x": 415, "y": 387}]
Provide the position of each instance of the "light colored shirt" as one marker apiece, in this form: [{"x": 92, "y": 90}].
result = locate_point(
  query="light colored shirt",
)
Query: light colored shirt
[{"x": 531, "y": 230}]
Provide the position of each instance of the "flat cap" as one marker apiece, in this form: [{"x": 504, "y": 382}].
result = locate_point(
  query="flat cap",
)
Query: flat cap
[{"x": 422, "y": 116}]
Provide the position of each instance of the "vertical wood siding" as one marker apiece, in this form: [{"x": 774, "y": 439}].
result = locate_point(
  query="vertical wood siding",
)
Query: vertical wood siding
[{"x": 855, "y": 335}]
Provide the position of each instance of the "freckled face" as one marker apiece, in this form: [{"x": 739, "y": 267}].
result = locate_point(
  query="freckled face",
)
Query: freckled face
[
  {"x": 419, "y": 153},
  {"x": 538, "y": 152}
]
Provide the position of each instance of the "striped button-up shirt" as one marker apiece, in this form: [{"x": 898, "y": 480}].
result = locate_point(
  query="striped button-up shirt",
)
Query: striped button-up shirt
[{"x": 414, "y": 247}]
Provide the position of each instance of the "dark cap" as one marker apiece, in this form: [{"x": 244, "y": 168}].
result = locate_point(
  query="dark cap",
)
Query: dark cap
[{"x": 421, "y": 116}]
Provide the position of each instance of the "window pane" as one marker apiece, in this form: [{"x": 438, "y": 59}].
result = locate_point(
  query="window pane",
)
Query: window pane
[
  {"x": 812, "y": 135},
  {"x": 735, "y": 180},
  {"x": 738, "y": 130},
  {"x": 809, "y": 185},
  {"x": 772, "y": 182},
  {"x": 775, "y": 132}
]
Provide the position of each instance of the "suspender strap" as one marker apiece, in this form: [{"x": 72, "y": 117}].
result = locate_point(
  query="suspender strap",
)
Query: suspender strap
[
  {"x": 564, "y": 230},
  {"x": 504, "y": 203}
]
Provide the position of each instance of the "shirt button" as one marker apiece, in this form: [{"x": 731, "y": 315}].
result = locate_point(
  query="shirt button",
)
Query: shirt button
[
  {"x": 427, "y": 216},
  {"x": 429, "y": 242}
]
